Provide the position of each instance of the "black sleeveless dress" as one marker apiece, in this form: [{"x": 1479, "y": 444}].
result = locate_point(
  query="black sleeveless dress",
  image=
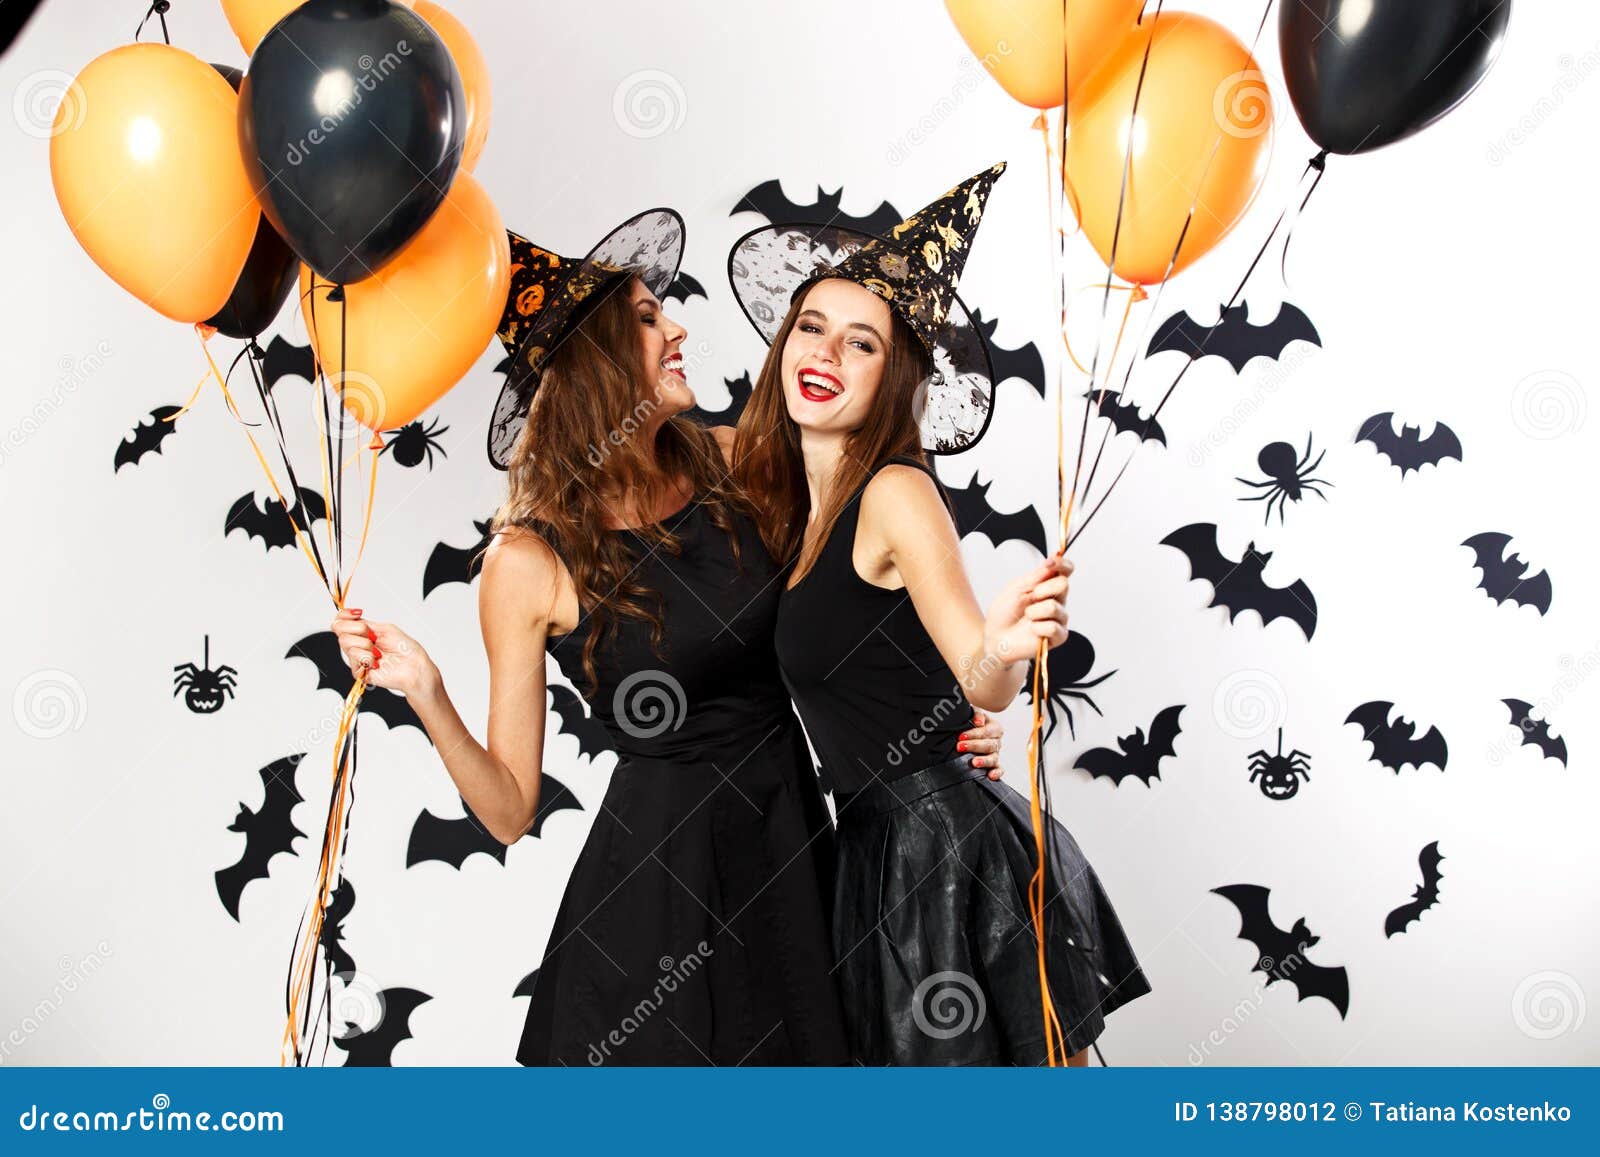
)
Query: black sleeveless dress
[
  {"x": 694, "y": 929},
  {"x": 937, "y": 956}
]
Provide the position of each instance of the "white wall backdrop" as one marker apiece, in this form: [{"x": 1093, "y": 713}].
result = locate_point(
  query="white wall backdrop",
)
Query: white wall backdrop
[{"x": 1449, "y": 277}]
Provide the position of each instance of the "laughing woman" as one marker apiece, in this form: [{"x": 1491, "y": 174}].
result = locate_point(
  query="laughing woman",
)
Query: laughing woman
[{"x": 883, "y": 645}]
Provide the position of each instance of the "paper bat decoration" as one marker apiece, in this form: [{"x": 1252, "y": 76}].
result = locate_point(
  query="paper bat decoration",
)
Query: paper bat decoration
[
  {"x": 454, "y": 564},
  {"x": 1238, "y": 586},
  {"x": 1233, "y": 337},
  {"x": 1023, "y": 362},
  {"x": 266, "y": 832},
  {"x": 575, "y": 720},
  {"x": 684, "y": 287},
  {"x": 1282, "y": 955},
  {"x": 282, "y": 359},
  {"x": 739, "y": 390},
  {"x": 1424, "y": 897},
  {"x": 145, "y": 438},
  {"x": 1126, "y": 419},
  {"x": 974, "y": 515},
  {"x": 333, "y": 917},
  {"x": 374, "y": 1048},
  {"x": 333, "y": 674},
  {"x": 1139, "y": 756},
  {"x": 1396, "y": 744},
  {"x": 525, "y": 985},
  {"x": 1406, "y": 449},
  {"x": 269, "y": 523},
  {"x": 1536, "y": 732},
  {"x": 451, "y": 841},
  {"x": 769, "y": 200},
  {"x": 1505, "y": 579}
]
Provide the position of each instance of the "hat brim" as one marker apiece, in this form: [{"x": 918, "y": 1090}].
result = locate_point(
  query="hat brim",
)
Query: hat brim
[
  {"x": 767, "y": 265},
  {"x": 648, "y": 244}
]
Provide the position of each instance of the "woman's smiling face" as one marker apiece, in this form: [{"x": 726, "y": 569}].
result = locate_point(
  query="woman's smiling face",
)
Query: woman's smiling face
[
  {"x": 834, "y": 357},
  {"x": 661, "y": 340}
]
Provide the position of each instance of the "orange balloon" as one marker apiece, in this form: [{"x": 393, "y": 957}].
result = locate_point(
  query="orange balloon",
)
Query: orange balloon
[
  {"x": 144, "y": 157},
  {"x": 1201, "y": 139},
  {"x": 253, "y": 19},
  {"x": 474, "y": 72},
  {"x": 1019, "y": 41},
  {"x": 413, "y": 328}
]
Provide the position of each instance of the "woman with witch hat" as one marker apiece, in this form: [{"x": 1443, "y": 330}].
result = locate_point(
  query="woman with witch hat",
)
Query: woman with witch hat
[
  {"x": 694, "y": 928},
  {"x": 875, "y": 363}
]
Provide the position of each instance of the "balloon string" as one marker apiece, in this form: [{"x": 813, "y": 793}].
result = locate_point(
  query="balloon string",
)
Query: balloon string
[
  {"x": 1319, "y": 163},
  {"x": 324, "y": 420},
  {"x": 269, "y": 405},
  {"x": 158, "y": 9}
]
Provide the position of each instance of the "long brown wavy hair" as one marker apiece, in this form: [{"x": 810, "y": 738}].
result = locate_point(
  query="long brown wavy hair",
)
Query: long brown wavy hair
[
  {"x": 767, "y": 464},
  {"x": 582, "y": 446}
]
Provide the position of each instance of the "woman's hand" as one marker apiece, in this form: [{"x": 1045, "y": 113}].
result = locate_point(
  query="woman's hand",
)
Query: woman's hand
[
  {"x": 1031, "y": 608},
  {"x": 389, "y": 657},
  {"x": 982, "y": 743}
]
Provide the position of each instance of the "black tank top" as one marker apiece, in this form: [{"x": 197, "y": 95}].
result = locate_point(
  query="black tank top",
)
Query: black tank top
[{"x": 875, "y": 696}]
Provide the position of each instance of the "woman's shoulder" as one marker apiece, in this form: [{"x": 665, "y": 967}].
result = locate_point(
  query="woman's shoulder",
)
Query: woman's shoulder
[{"x": 521, "y": 558}]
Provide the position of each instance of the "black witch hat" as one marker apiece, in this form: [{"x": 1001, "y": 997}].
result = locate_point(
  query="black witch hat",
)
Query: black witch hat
[
  {"x": 915, "y": 267},
  {"x": 550, "y": 294}
]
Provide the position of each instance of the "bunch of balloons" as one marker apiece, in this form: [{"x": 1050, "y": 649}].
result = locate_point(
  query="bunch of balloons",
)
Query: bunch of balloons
[{"x": 339, "y": 159}]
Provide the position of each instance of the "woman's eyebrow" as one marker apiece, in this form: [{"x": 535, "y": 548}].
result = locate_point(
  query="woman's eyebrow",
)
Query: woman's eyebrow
[{"x": 817, "y": 313}]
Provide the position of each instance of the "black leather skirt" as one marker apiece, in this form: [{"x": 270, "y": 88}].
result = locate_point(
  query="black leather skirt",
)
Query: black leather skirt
[{"x": 937, "y": 956}]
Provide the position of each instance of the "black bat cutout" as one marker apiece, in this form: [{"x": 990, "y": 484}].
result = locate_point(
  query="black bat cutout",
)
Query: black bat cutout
[
  {"x": 1536, "y": 732},
  {"x": 739, "y": 390},
  {"x": 1507, "y": 579},
  {"x": 1396, "y": 744},
  {"x": 974, "y": 515},
  {"x": 1233, "y": 337},
  {"x": 333, "y": 918},
  {"x": 1126, "y": 419},
  {"x": 525, "y": 985},
  {"x": 374, "y": 1047},
  {"x": 684, "y": 287},
  {"x": 451, "y": 841},
  {"x": 769, "y": 200},
  {"x": 1023, "y": 362},
  {"x": 455, "y": 564},
  {"x": 1239, "y": 586},
  {"x": 269, "y": 522},
  {"x": 1139, "y": 756},
  {"x": 575, "y": 720},
  {"x": 334, "y": 674},
  {"x": 266, "y": 832},
  {"x": 1424, "y": 897},
  {"x": 282, "y": 359},
  {"x": 1282, "y": 955},
  {"x": 1407, "y": 450},
  {"x": 145, "y": 438}
]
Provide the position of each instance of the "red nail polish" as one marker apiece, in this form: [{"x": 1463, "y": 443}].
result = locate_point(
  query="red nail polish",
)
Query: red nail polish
[{"x": 962, "y": 746}]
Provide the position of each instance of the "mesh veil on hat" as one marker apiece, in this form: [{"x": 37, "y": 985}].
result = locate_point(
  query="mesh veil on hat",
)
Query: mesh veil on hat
[
  {"x": 546, "y": 292},
  {"x": 915, "y": 268}
]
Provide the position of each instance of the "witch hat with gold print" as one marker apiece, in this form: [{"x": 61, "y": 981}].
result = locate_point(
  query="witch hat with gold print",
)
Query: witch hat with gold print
[
  {"x": 550, "y": 293},
  {"x": 916, "y": 268}
]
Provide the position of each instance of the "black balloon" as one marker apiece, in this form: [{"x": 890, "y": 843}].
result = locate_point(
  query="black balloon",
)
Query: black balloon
[
  {"x": 1366, "y": 73},
  {"x": 351, "y": 120},
  {"x": 269, "y": 272}
]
